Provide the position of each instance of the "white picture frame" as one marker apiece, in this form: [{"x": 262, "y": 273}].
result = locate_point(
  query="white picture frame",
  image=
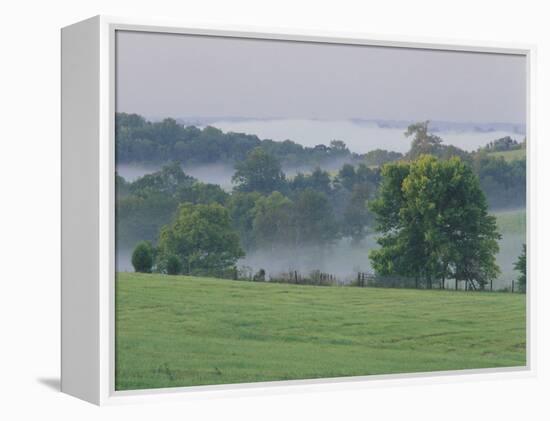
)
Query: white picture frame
[{"x": 88, "y": 251}]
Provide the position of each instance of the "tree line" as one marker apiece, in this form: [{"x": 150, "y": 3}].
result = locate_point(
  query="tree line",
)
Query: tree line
[
  {"x": 429, "y": 205},
  {"x": 265, "y": 209},
  {"x": 142, "y": 141}
]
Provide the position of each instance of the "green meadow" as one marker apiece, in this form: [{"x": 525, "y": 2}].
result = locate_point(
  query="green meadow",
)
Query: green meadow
[
  {"x": 512, "y": 155},
  {"x": 512, "y": 222},
  {"x": 186, "y": 331}
]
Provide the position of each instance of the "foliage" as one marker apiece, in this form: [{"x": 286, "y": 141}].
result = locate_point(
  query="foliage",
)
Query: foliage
[
  {"x": 434, "y": 220},
  {"x": 521, "y": 267},
  {"x": 166, "y": 181},
  {"x": 512, "y": 155},
  {"x": 272, "y": 224},
  {"x": 142, "y": 141},
  {"x": 202, "y": 237},
  {"x": 147, "y": 204},
  {"x": 140, "y": 218},
  {"x": 259, "y": 172},
  {"x": 505, "y": 182},
  {"x": 423, "y": 142},
  {"x": 503, "y": 144},
  {"x": 173, "y": 265},
  {"x": 142, "y": 257},
  {"x": 379, "y": 157},
  {"x": 356, "y": 215},
  {"x": 202, "y": 193},
  {"x": 312, "y": 208},
  {"x": 318, "y": 180},
  {"x": 314, "y": 220},
  {"x": 349, "y": 176},
  {"x": 242, "y": 209}
]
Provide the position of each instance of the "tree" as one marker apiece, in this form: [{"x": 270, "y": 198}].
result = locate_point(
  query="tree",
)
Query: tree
[
  {"x": 202, "y": 237},
  {"x": 313, "y": 219},
  {"x": 503, "y": 144},
  {"x": 318, "y": 180},
  {"x": 423, "y": 142},
  {"x": 142, "y": 257},
  {"x": 347, "y": 176},
  {"x": 356, "y": 214},
  {"x": 242, "y": 212},
  {"x": 521, "y": 266},
  {"x": 272, "y": 224},
  {"x": 338, "y": 147},
  {"x": 173, "y": 265},
  {"x": 167, "y": 180},
  {"x": 259, "y": 172},
  {"x": 379, "y": 157},
  {"x": 400, "y": 252},
  {"x": 435, "y": 224},
  {"x": 203, "y": 193}
]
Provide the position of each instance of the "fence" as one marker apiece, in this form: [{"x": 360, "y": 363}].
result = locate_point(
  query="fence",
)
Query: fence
[{"x": 366, "y": 279}]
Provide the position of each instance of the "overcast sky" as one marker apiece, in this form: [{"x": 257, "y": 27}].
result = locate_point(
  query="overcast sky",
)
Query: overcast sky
[{"x": 162, "y": 75}]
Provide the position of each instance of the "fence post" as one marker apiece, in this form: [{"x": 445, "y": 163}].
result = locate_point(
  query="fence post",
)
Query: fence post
[
  {"x": 512, "y": 286},
  {"x": 491, "y": 285}
]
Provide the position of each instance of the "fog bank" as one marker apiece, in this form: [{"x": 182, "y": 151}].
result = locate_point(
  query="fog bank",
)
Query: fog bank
[{"x": 359, "y": 137}]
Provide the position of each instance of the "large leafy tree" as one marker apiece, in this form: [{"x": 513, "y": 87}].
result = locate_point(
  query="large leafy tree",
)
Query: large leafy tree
[
  {"x": 435, "y": 224},
  {"x": 401, "y": 252},
  {"x": 259, "y": 172},
  {"x": 202, "y": 237}
]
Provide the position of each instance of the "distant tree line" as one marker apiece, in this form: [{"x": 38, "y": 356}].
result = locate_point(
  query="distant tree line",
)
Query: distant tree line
[
  {"x": 504, "y": 144},
  {"x": 142, "y": 141}
]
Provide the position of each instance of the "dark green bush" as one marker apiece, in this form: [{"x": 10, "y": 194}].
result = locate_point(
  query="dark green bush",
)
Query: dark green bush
[
  {"x": 142, "y": 257},
  {"x": 173, "y": 265}
]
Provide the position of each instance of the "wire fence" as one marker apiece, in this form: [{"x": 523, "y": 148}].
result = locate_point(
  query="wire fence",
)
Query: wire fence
[{"x": 367, "y": 279}]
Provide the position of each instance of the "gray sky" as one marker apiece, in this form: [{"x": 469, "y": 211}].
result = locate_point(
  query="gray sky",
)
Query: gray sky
[{"x": 162, "y": 75}]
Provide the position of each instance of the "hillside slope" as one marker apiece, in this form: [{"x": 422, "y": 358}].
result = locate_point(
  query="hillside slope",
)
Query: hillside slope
[{"x": 182, "y": 331}]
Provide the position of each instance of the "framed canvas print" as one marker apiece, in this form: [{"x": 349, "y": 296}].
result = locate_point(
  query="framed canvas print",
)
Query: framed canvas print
[{"x": 245, "y": 209}]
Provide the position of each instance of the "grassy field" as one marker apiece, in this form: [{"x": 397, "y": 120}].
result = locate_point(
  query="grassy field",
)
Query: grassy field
[
  {"x": 512, "y": 221},
  {"x": 183, "y": 331},
  {"x": 510, "y": 155}
]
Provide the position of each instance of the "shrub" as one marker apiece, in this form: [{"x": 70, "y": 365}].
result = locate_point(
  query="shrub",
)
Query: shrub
[
  {"x": 173, "y": 265},
  {"x": 142, "y": 257}
]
